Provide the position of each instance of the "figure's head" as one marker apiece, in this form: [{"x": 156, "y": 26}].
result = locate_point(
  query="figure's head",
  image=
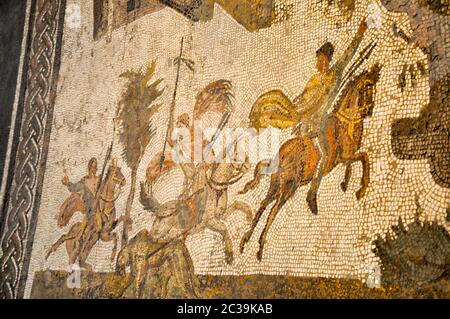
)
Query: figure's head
[
  {"x": 324, "y": 55},
  {"x": 183, "y": 120},
  {"x": 92, "y": 166}
]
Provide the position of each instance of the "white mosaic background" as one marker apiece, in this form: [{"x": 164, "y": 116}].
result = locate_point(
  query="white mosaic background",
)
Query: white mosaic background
[{"x": 337, "y": 242}]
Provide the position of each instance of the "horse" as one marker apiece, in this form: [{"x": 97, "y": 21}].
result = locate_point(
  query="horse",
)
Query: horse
[
  {"x": 82, "y": 236},
  {"x": 174, "y": 221},
  {"x": 299, "y": 157},
  {"x": 184, "y": 216}
]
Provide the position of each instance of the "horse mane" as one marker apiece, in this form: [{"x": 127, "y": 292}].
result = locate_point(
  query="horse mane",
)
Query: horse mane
[{"x": 353, "y": 85}]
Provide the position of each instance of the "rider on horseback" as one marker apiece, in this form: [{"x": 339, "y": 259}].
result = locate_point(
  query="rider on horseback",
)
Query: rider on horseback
[
  {"x": 318, "y": 98},
  {"x": 194, "y": 175},
  {"x": 86, "y": 188}
]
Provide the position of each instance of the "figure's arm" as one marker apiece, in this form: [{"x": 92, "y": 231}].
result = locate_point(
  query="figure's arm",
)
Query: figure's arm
[
  {"x": 352, "y": 48},
  {"x": 342, "y": 64},
  {"x": 73, "y": 187},
  {"x": 170, "y": 140}
]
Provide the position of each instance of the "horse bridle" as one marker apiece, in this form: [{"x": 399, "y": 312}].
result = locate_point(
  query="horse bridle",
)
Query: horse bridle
[
  {"x": 358, "y": 114},
  {"x": 118, "y": 182}
]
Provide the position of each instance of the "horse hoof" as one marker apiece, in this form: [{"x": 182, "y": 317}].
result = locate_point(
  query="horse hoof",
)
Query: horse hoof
[
  {"x": 360, "y": 194},
  {"x": 244, "y": 241},
  {"x": 259, "y": 255},
  {"x": 312, "y": 202},
  {"x": 229, "y": 258},
  {"x": 313, "y": 209}
]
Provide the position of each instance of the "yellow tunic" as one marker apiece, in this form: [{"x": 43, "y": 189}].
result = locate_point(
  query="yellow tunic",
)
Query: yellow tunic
[
  {"x": 315, "y": 95},
  {"x": 274, "y": 108}
]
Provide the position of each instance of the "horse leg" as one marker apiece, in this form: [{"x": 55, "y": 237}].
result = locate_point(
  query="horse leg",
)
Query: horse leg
[
  {"x": 160, "y": 262},
  {"x": 85, "y": 265},
  {"x": 73, "y": 251},
  {"x": 58, "y": 243},
  {"x": 348, "y": 174},
  {"x": 72, "y": 243},
  {"x": 364, "y": 159},
  {"x": 86, "y": 251},
  {"x": 311, "y": 197},
  {"x": 266, "y": 201},
  {"x": 125, "y": 220},
  {"x": 328, "y": 148},
  {"x": 221, "y": 228},
  {"x": 164, "y": 286},
  {"x": 240, "y": 206},
  {"x": 258, "y": 173},
  {"x": 287, "y": 191},
  {"x": 106, "y": 236},
  {"x": 141, "y": 279}
]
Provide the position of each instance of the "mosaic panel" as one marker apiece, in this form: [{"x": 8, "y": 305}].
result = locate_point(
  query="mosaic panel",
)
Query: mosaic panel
[{"x": 220, "y": 149}]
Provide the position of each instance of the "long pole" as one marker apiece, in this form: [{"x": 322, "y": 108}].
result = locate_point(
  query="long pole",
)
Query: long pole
[{"x": 172, "y": 107}]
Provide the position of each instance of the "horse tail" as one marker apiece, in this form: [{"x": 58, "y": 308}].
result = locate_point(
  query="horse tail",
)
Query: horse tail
[
  {"x": 240, "y": 206},
  {"x": 261, "y": 168}
]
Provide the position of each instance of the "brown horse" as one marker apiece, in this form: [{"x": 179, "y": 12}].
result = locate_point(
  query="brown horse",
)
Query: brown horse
[
  {"x": 299, "y": 157},
  {"x": 82, "y": 236}
]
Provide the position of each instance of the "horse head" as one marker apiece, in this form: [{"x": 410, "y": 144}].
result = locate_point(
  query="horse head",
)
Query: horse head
[
  {"x": 114, "y": 178},
  {"x": 216, "y": 96},
  {"x": 366, "y": 89},
  {"x": 114, "y": 174},
  {"x": 357, "y": 100}
]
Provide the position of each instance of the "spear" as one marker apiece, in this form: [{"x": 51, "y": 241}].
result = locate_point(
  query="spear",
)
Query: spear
[
  {"x": 364, "y": 55},
  {"x": 107, "y": 157},
  {"x": 190, "y": 65}
]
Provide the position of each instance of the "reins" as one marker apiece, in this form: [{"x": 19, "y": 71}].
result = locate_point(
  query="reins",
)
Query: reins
[{"x": 357, "y": 115}]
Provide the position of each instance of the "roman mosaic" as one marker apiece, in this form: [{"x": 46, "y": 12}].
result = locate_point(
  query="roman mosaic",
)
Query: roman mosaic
[{"x": 234, "y": 149}]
